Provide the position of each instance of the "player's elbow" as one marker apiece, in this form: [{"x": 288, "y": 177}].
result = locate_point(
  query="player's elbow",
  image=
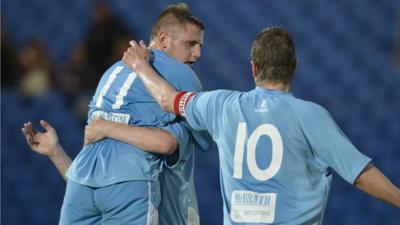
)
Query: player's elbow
[
  {"x": 363, "y": 178},
  {"x": 168, "y": 147}
]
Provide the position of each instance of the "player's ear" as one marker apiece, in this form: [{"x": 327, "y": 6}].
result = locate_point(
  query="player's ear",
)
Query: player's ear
[
  {"x": 254, "y": 69},
  {"x": 164, "y": 40}
]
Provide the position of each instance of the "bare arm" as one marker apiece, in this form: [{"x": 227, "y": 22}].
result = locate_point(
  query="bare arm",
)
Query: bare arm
[
  {"x": 61, "y": 161},
  {"x": 149, "y": 139},
  {"x": 373, "y": 182},
  {"x": 47, "y": 144},
  {"x": 136, "y": 58}
]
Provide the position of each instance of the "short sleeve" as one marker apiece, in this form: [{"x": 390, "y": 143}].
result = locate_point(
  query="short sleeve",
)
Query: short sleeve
[
  {"x": 203, "y": 109},
  {"x": 201, "y": 140},
  {"x": 331, "y": 145},
  {"x": 180, "y": 131}
]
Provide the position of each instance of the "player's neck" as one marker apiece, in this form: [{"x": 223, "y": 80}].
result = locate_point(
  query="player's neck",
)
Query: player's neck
[{"x": 277, "y": 86}]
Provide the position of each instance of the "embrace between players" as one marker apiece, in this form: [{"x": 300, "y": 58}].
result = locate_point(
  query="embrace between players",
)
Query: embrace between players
[{"x": 137, "y": 155}]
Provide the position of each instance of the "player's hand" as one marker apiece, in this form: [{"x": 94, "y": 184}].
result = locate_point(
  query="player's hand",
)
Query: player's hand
[
  {"x": 43, "y": 143},
  {"x": 136, "y": 55},
  {"x": 95, "y": 130}
]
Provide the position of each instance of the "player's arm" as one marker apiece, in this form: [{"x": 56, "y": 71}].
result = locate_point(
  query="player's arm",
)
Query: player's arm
[
  {"x": 373, "y": 182},
  {"x": 136, "y": 58},
  {"x": 332, "y": 146},
  {"x": 47, "y": 144},
  {"x": 149, "y": 139}
]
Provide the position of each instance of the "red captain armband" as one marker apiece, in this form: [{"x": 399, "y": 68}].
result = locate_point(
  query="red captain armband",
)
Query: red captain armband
[{"x": 180, "y": 102}]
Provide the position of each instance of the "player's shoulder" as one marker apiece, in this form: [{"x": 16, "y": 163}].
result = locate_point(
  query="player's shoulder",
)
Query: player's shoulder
[
  {"x": 224, "y": 94},
  {"x": 118, "y": 63},
  {"x": 119, "y": 67},
  {"x": 180, "y": 75},
  {"x": 161, "y": 60},
  {"x": 304, "y": 107}
]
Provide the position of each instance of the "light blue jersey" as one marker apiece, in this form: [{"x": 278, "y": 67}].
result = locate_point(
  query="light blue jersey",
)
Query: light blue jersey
[
  {"x": 276, "y": 154},
  {"x": 122, "y": 97},
  {"x": 178, "y": 192}
]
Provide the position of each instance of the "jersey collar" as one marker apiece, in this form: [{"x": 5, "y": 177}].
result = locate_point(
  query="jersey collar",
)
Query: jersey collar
[{"x": 271, "y": 91}]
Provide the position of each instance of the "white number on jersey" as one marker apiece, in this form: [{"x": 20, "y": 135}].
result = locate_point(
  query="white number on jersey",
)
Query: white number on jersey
[
  {"x": 277, "y": 152},
  {"x": 119, "y": 99}
]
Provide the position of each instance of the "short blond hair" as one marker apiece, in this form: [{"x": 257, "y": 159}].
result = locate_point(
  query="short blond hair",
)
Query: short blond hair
[{"x": 175, "y": 14}]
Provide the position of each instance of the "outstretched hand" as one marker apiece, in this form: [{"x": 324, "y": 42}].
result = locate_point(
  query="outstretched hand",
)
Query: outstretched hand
[
  {"x": 43, "y": 143},
  {"x": 136, "y": 55}
]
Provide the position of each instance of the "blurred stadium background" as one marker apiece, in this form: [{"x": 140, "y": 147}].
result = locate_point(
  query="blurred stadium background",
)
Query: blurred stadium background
[{"x": 348, "y": 62}]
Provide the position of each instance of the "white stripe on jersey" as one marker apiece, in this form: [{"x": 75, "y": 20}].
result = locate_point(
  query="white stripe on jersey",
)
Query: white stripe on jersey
[
  {"x": 119, "y": 99},
  {"x": 152, "y": 212},
  {"x": 110, "y": 80}
]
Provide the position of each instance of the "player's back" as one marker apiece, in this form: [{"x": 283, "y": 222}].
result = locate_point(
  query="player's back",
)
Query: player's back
[
  {"x": 269, "y": 154},
  {"x": 275, "y": 156},
  {"x": 122, "y": 97}
]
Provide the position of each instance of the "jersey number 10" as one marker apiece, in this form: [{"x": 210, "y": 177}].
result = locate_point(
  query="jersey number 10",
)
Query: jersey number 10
[{"x": 277, "y": 151}]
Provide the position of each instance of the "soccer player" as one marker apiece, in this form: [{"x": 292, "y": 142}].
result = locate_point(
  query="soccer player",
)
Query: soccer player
[
  {"x": 123, "y": 177},
  {"x": 277, "y": 152}
]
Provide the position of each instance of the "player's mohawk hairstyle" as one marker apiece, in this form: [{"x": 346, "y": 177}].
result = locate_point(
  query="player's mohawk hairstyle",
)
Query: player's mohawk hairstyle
[{"x": 175, "y": 13}]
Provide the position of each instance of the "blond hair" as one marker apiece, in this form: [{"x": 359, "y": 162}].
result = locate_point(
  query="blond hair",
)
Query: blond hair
[{"x": 175, "y": 14}]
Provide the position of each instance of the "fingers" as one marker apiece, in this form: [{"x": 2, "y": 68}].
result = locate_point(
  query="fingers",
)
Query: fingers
[
  {"x": 46, "y": 125},
  {"x": 24, "y": 132},
  {"x": 96, "y": 118},
  {"x": 134, "y": 54},
  {"x": 142, "y": 44},
  {"x": 86, "y": 129},
  {"x": 87, "y": 139},
  {"x": 29, "y": 129},
  {"x": 85, "y": 142},
  {"x": 133, "y": 43},
  {"x": 125, "y": 58},
  {"x": 28, "y": 137},
  {"x": 29, "y": 133}
]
